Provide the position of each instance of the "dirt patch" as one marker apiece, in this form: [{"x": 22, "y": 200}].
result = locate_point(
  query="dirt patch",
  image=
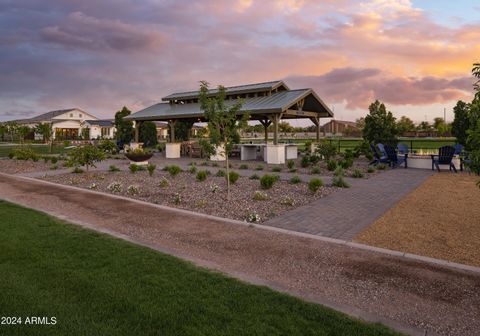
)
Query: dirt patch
[
  {"x": 440, "y": 219},
  {"x": 21, "y": 166},
  {"x": 209, "y": 196}
]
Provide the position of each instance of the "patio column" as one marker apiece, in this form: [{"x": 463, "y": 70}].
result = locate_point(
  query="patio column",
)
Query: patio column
[
  {"x": 316, "y": 121},
  {"x": 266, "y": 123},
  {"x": 275, "y": 119},
  {"x": 137, "y": 130},
  {"x": 171, "y": 124}
]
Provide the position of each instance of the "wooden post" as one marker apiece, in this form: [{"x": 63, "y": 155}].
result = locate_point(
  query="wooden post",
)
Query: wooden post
[
  {"x": 275, "y": 118},
  {"x": 171, "y": 123},
  {"x": 137, "y": 130},
  {"x": 265, "y": 124},
  {"x": 316, "y": 121}
]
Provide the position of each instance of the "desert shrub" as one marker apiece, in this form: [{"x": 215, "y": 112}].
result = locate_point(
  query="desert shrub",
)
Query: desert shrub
[
  {"x": 204, "y": 163},
  {"x": 11, "y": 155},
  {"x": 357, "y": 173},
  {"x": 201, "y": 203},
  {"x": 339, "y": 172},
  {"x": 346, "y": 163},
  {"x": 314, "y": 159},
  {"x": 287, "y": 200},
  {"x": 151, "y": 169},
  {"x": 220, "y": 173},
  {"x": 202, "y": 175},
  {"x": 132, "y": 190},
  {"x": 290, "y": 164},
  {"x": 113, "y": 169},
  {"x": 293, "y": 170},
  {"x": 315, "y": 184},
  {"x": 331, "y": 165},
  {"x": 54, "y": 167},
  {"x": 53, "y": 159},
  {"x": 134, "y": 168},
  {"x": 370, "y": 169},
  {"x": 277, "y": 169},
  {"x": 86, "y": 156},
  {"x": 260, "y": 196},
  {"x": 295, "y": 180},
  {"x": 177, "y": 198},
  {"x": 305, "y": 161},
  {"x": 339, "y": 182},
  {"x": 243, "y": 166},
  {"x": 315, "y": 170},
  {"x": 214, "y": 188},
  {"x": 259, "y": 167},
  {"x": 381, "y": 166},
  {"x": 254, "y": 177},
  {"x": 308, "y": 146},
  {"x": 163, "y": 182},
  {"x": 77, "y": 170},
  {"x": 93, "y": 186},
  {"x": 192, "y": 169},
  {"x": 46, "y": 159},
  {"x": 161, "y": 147},
  {"x": 115, "y": 187},
  {"x": 326, "y": 150},
  {"x": 173, "y": 170},
  {"x": 267, "y": 181},
  {"x": 233, "y": 177},
  {"x": 108, "y": 146},
  {"x": 23, "y": 153},
  {"x": 253, "y": 217}
]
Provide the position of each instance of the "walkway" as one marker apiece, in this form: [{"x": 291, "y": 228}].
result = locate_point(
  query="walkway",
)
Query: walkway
[
  {"x": 346, "y": 212},
  {"x": 412, "y": 296}
]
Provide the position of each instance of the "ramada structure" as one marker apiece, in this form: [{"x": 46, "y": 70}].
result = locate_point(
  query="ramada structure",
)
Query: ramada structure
[{"x": 266, "y": 102}]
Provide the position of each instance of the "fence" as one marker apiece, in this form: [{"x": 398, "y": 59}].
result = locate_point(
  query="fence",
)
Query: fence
[{"x": 414, "y": 144}]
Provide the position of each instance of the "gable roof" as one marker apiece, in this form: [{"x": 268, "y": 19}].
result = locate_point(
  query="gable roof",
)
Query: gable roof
[
  {"x": 48, "y": 116},
  {"x": 239, "y": 89},
  {"x": 101, "y": 122},
  {"x": 275, "y": 103}
]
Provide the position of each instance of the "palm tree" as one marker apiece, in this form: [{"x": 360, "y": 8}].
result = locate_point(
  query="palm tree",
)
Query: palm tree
[{"x": 476, "y": 73}]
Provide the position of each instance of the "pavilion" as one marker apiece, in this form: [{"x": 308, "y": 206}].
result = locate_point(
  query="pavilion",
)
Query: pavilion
[{"x": 266, "y": 102}]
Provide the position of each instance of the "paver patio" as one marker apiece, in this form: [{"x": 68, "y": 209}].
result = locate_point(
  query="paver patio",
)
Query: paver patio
[
  {"x": 346, "y": 212},
  {"x": 412, "y": 296}
]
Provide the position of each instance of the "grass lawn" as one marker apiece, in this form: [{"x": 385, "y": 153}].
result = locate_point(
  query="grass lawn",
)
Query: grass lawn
[
  {"x": 38, "y": 148},
  {"x": 98, "y": 285}
]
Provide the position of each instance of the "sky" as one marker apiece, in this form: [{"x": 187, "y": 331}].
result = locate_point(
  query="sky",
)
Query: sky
[{"x": 100, "y": 55}]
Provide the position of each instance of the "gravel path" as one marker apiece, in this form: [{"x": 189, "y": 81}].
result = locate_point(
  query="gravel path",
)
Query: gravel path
[{"x": 372, "y": 285}]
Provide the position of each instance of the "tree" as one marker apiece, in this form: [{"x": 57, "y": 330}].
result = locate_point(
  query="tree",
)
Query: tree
[
  {"x": 45, "y": 130},
  {"x": 461, "y": 122},
  {"x": 285, "y": 127},
  {"x": 183, "y": 129},
  {"x": 223, "y": 127},
  {"x": 3, "y": 131},
  {"x": 124, "y": 128},
  {"x": 23, "y": 131},
  {"x": 476, "y": 74},
  {"x": 405, "y": 124},
  {"x": 424, "y": 126},
  {"x": 12, "y": 129},
  {"x": 86, "y": 156},
  {"x": 438, "y": 123},
  {"x": 148, "y": 133},
  {"x": 360, "y": 123},
  {"x": 380, "y": 126}
]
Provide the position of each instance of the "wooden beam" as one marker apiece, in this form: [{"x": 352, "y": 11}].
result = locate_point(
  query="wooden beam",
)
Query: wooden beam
[
  {"x": 316, "y": 122},
  {"x": 275, "y": 118},
  {"x": 299, "y": 113},
  {"x": 171, "y": 124},
  {"x": 266, "y": 123}
]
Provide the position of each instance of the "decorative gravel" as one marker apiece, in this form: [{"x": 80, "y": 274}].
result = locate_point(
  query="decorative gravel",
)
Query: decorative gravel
[
  {"x": 209, "y": 197},
  {"x": 20, "y": 166}
]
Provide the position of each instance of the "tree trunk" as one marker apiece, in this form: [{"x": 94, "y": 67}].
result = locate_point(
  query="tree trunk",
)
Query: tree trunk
[{"x": 227, "y": 168}]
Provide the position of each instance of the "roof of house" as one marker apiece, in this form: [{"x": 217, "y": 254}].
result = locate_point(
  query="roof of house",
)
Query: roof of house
[
  {"x": 46, "y": 116},
  {"x": 344, "y": 122},
  {"x": 277, "y": 102},
  {"x": 239, "y": 89},
  {"x": 101, "y": 122}
]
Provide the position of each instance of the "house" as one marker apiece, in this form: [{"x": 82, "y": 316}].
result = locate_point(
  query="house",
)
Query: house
[
  {"x": 71, "y": 124},
  {"x": 341, "y": 127}
]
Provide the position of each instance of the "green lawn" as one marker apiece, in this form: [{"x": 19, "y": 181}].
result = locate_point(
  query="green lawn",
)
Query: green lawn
[
  {"x": 38, "y": 148},
  {"x": 98, "y": 285}
]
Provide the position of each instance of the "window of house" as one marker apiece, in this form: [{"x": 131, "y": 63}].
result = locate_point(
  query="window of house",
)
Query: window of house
[
  {"x": 71, "y": 115},
  {"x": 80, "y": 115}
]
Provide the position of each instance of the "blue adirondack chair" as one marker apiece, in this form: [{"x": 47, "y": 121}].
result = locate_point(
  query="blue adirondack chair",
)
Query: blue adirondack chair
[
  {"x": 444, "y": 157},
  {"x": 402, "y": 148},
  {"x": 396, "y": 160},
  {"x": 379, "y": 157},
  {"x": 381, "y": 147}
]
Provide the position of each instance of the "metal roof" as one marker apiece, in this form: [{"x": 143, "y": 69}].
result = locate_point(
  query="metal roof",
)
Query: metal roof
[
  {"x": 46, "y": 116},
  {"x": 240, "y": 89},
  {"x": 276, "y": 103},
  {"x": 101, "y": 123}
]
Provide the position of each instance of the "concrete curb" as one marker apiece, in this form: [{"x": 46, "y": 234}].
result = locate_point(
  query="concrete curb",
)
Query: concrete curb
[{"x": 399, "y": 254}]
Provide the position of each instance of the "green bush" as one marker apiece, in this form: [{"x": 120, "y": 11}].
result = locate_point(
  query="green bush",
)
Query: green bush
[
  {"x": 46, "y": 159},
  {"x": 54, "y": 167},
  {"x": 305, "y": 161},
  {"x": 113, "y": 168},
  {"x": 260, "y": 196},
  {"x": 314, "y": 159},
  {"x": 108, "y": 146},
  {"x": 370, "y": 169},
  {"x": 220, "y": 173},
  {"x": 254, "y": 177},
  {"x": 315, "y": 184},
  {"x": 53, "y": 159},
  {"x": 277, "y": 169},
  {"x": 202, "y": 175},
  {"x": 331, "y": 165},
  {"x": 173, "y": 170},
  {"x": 11, "y": 155},
  {"x": 259, "y": 167},
  {"x": 86, "y": 156},
  {"x": 357, "y": 173},
  {"x": 339, "y": 182},
  {"x": 243, "y": 166},
  {"x": 326, "y": 150},
  {"x": 23, "y": 153},
  {"x": 346, "y": 163},
  {"x": 77, "y": 170},
  {"x": 315, "y": 170},
  {"x": 151, "y": 168},
  {"x": 295, "y": 180},
  {"x": 290, "y": 164},
  {"x": 381, "y": 166},
  {"x": 339, "y": 172},
  {"x": 267, "y": 181},
  {"x": 134, "y": 168},
  {"x": 233, "y": 177},
  {"x": 192, "y": 169}
]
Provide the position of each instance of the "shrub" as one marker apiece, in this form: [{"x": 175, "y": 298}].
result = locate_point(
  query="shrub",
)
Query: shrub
[
  {"x": 132, "y": 190},
  {"x": 204, "y": 163},
  {"x": 177, "y": 199},
  {"x": 214, "y": 188},
  {"x": 202, "y": 175},
  {"x": 293, "y": 170},
  {"x": 326, "y": 150},
  {"x": 338, "y": 172},
  {"x": 192, "y": 169},
  {"x": 11, "y": 155},
  {"x": 305, "y": 161},
  {"x": 259, "y": 167},
  {"x": 357, "y": 173},
  {"x": 253, "y": 217},
  {"x": 53, "y": 159},
  {"x": 173, "y": 170},
  {"x": 381, "y": 166},
  {"x": 163, "y": 182},
  {"x": 267, "y": 181},
  {"x": 233, "y": 177},
  {"x": 151, "y": 168},
  {"x": 295, "y": 180},
  {"x": 315, "y": 184},
  {"x": 260, "y": 196},
  {"x": 243, "y": 166},
  {"x": 220, "y": 173},
  {"x": 201, "y": 203},
  {"x": 77, "y": 170},
  {"x": 54, "y": 167},
  {"x": 290, "y": 164},
  {"x": 370, "y": 169},
  {"x": 346, "y": 163},
  {"x": 339, "y": 182},
  {"x": 134, "y": 168},
  {"x": 254, "y": 177},
  {"x": 113, "y": 169},
  {"x": 108, "y": 146},
  {"x": 287, "y": 200},
  {"x": 331, "y": 165},
  {"x": 315, "y": 170},
  {"x": 115, "y": 187},
  {"x": 46, "y": 159},
  {"x": 86, "y": 156},
  {"x": 314, "y": 159},
  {"x": 23, "y": 153},
  {"x": 93, "y": 186},
  {"x": 276, "y": 169}
]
